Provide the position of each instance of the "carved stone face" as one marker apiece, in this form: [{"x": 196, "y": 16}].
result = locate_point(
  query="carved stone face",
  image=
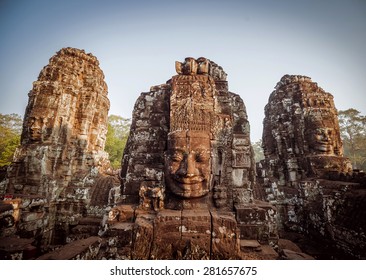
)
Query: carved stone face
[
  {"x": 323, "y": 141},
  {"x": 188, "y": 164},
  {"x": 35, "y": 129}
]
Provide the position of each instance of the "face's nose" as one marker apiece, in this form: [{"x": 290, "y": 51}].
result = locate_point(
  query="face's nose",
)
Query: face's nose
[
  {"x": 188, "y": 167},
  {"x": 325, "y": 135}
]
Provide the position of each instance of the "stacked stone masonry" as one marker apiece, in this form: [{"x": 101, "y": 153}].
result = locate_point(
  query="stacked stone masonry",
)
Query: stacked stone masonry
[
  {"x": 187, "y": 167},
  {"x": 188, "y": 187}
]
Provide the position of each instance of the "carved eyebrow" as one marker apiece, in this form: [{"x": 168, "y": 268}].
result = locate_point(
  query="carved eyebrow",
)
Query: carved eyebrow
[
  {"x": 202, "y": 154},
  {"x": 172, "y": 151},
  {"x": 202, "y": 151}
]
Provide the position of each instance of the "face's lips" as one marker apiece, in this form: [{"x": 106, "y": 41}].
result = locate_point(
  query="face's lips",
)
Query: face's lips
[
  {"x": 188, "y": 180},
  {"x": 324, "y": 143}
]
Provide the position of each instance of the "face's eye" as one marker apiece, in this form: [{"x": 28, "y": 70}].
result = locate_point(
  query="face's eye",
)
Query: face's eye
[
  {"x": 176, "y": 156},
  {"x": 318, "y": 131},
  {"x": 201, "y": 156}
]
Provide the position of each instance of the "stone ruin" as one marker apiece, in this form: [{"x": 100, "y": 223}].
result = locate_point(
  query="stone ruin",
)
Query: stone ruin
[
  {"x": 188, "y": 172},
  {"x": 187, "y": 186},
  {"x": 301, "y": 136},
  {"x": 57, "y": 172},
  {"x": 305, "y": 173}
]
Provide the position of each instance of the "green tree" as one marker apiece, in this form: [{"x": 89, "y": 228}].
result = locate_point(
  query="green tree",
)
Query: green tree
[
  {"x": 118, "y": 131},
  {"x": 353, "y": 132},
  {"x": 258, "y": 150},
  {"x": 10, "y": 130}
]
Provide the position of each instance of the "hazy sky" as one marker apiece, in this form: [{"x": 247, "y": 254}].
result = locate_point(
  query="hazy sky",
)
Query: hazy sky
[{"x": 137, "y": 43}]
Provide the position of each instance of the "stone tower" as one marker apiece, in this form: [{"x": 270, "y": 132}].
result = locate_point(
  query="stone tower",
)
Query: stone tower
[
  {"x": 301, "y": 136},
  {"x": 188, "y": 172},
  {"x": 305, "y": 173},
  {"x": 193, "y": 108},
  {"x": 62, "y": 144}
]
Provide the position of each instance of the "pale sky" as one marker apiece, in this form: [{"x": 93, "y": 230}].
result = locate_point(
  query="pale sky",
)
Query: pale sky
[{"x": 137, "y": 43}]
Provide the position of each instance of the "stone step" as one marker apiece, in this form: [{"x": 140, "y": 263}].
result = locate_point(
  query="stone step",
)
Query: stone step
[
  {"x": 253, "y": 248},
  {"x": 79, "y": 249},
  {"x": 121, "y": 232},
  {"x": 85, "y": 229},
  {"x": 289, "y": 245},
  {"x": 250, "y": 245},
  {"x": 268, "y": 252},
  {"x": 291, "y": 255},
  {"x": 248, "y": 214},
  {"x": 13, "y": 248}
]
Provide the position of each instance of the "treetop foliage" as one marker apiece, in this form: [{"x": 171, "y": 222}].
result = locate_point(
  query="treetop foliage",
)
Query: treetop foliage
[
  {"x": 118, "y": 131},
  {"x": 353, "y": 132},
  {"x": 10, "y": 130}
]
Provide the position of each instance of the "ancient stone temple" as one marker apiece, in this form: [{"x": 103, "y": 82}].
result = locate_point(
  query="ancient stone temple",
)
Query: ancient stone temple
[
  {"x": 188, "y": 172},
  {"x": 61, "y": 158},
  {"x": 301, "y": 135},
  {"x": 305, "y": 173}
]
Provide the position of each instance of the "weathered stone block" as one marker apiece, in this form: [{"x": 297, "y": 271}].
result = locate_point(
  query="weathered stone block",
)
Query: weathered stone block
[
  {"x": 85, "y": 230},
  {"x": 196, "y": 222},
  {"x": 81, "y": 249},
  {"x": 12, "y": 248},
  {"x": 255, "y": 232},
  {"x": 196, "y": 233},
  {"x": 168, "y": 235},
  {"x": 32, "y": 216},
  {"x": 225, "y": 236},
  {"x": 123, "y": 232},
  {"x": 168, "y": 221},
  {"x": 250, "y": 245},
  {"x": 131, "y": 187},
  {"x": 126, "y": 213},
  {"x": 250, "y": 214},
  {"x": 143, "y": 237}
]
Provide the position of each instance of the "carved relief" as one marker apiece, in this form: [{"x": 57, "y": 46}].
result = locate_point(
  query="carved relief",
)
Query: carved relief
[
  {"x": 201, "y": 66},
  {"x": 188, "y": 165},
  {"x": 203, "y": 134},
  {"x": 151, "y": 196}
]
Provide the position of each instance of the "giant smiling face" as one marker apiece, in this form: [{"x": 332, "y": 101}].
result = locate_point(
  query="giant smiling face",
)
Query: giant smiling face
[{"x": 188, "y": 164}]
